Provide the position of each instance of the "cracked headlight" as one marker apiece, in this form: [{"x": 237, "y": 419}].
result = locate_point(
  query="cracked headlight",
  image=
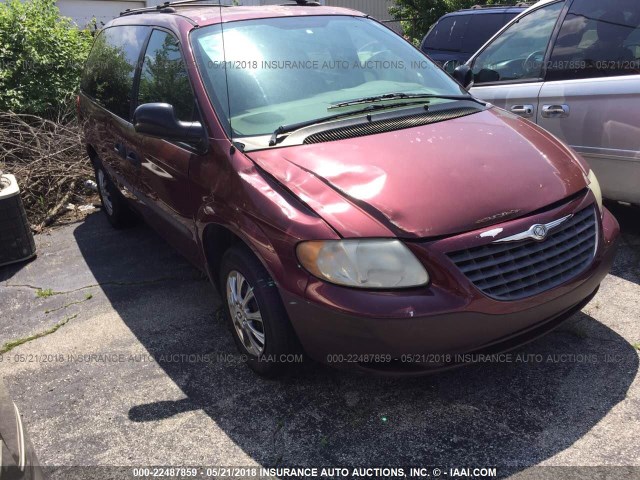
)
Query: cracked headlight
[
  {"x": 594, "y": 186},
  {"x": 372, "y": 264}
]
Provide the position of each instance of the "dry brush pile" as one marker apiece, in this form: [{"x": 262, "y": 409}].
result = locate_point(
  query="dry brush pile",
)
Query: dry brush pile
[{"x": 47, "y": 158}]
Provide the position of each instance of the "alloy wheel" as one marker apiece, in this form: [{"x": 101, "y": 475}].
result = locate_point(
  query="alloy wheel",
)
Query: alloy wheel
[{"x": 245, "y": 313}]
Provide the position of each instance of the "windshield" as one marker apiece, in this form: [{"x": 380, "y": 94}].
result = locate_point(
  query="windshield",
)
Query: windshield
[{"x": 284, "y": 71}]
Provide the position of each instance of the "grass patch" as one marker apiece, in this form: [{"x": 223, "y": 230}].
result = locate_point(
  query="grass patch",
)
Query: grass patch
[
  {"x": 10, "y": 345},
  {"x": 45, "y": 293},
  {"x": 88, "y": 296}
]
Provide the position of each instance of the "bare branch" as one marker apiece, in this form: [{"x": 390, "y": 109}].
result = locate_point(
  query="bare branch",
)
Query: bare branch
[{"x": 48, "y": 160}]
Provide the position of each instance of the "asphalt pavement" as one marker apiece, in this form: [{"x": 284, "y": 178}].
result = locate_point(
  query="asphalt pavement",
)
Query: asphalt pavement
[{"x": 119, "y": 358}]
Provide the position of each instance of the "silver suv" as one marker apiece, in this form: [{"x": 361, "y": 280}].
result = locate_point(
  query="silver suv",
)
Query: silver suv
[{"x": 572, "y": 67}]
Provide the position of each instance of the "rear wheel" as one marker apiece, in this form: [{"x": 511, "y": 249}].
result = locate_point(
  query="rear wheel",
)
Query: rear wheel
[
  {"x": 255, "y": 314},
  {"x": 114, "y": 205}
]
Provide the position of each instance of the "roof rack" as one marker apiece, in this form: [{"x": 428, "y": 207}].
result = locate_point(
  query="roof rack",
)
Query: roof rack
[
  {"x": 504, "y": 5},
  {"x": 169, "y": 7},
  {"x": 301, "y": 3}
]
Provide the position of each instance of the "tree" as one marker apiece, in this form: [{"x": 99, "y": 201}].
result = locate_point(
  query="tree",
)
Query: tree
[
  {"x": 41, "y": 57},
  {"x": 417, "y": 16},
  {"x": 108, "y": 74},
  {"x": 164, "y": 78}
]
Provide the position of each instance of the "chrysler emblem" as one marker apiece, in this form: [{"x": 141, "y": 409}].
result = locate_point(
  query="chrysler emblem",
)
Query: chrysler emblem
[{"x": 537, "y": 232}]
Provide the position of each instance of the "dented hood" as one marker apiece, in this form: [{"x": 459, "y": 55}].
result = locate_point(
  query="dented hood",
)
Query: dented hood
[{"x": 434, "y": 180}]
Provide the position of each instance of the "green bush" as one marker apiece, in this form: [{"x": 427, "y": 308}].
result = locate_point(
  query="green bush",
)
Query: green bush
[{"x": 41, "y": 57}]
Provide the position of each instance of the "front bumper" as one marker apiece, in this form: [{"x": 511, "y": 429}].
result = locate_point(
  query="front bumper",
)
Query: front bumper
[{"x": 388, "y": 331}]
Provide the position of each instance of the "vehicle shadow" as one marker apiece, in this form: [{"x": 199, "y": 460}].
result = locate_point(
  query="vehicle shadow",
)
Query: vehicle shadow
[
  {"x": 627, "y": 264},
  {"x": 515, "y": 413}
]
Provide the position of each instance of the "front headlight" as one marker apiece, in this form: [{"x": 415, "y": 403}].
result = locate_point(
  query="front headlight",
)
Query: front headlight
[
  {"x": 363, "y": 263},
  {"x": 594, "y": 186}
]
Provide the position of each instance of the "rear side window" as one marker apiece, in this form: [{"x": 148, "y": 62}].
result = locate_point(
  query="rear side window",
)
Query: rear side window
[
  {"x": 481, "y": 28},
  {"x": 111, "y": 67},
  {"x": 447, "y": 34},
  {"x": 597, "y": 39},
  {"x": 164, "y": 76}
]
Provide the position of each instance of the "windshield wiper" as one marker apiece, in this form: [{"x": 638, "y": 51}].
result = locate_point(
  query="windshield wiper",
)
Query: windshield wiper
[
  {"x": 401, "y": 96},
  {"x": 297, "y": 126}
]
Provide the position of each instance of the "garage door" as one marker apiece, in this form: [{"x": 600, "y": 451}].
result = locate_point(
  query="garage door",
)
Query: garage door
[{"x": 83, "y": 11}]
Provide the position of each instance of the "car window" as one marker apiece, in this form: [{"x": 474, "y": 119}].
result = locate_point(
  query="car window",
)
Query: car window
[
  {"x": 447, "y": 34},
  {"x": 482, "y": 27},
  {"x": 111, "y": 66},
  {"x": 517, "y": 54},
  {"x": 633, "y": 43},
  {"x": 164, "y": 77},
  {"x": 597, "y": 40}
]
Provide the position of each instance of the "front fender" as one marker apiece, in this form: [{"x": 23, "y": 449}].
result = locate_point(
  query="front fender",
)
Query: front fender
[{"x": 266, "y": 218}]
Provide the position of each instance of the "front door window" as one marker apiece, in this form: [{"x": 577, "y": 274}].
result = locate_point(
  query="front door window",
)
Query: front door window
[{"x": 518, "y": 53}]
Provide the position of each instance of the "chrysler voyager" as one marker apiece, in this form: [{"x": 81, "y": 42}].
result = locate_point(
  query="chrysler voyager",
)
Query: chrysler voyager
[{"x": 346, "y": 196}]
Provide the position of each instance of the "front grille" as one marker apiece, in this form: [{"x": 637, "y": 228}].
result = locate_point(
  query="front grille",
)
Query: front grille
[
  {"x": 512, "y": 271},
  {"x": 389, "y": 125}
]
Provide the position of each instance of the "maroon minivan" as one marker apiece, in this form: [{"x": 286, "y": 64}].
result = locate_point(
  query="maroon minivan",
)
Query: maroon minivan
[{"x": 346, "y": 196}]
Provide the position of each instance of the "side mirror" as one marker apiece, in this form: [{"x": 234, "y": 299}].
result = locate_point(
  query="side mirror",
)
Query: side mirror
[
  {"x": 159, "y": 120},
  {"x": 450, "y": 66},
  {"x": 463, "y": 75}
]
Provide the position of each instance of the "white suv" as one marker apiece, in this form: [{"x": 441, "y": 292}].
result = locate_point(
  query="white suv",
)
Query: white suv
[{"x": 572, "y": 67}]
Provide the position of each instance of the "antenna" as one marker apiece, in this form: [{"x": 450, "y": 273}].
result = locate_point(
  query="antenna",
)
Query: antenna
[{"x": 226, "y": 72}]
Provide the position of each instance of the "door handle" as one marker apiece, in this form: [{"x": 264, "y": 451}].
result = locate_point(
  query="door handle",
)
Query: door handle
[
  {"x": 525, "y": 111},
  {"x": 555, "y": 111}
]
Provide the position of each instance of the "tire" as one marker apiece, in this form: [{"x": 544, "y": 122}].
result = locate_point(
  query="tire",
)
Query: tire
[
  {"x": 114, "y": 205},
  {"x": 273, "y": 359}
]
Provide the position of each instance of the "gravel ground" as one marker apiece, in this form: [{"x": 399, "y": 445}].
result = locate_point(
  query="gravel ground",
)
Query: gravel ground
[{"x": 140, "y": 371}]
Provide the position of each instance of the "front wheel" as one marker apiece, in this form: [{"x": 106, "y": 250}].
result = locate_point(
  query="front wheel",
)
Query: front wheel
[{"x": 255, "y": 314}]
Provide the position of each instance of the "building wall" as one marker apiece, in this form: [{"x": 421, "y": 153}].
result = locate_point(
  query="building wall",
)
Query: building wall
[
  {"x": 378, "y": 9},
  {"x": 82, "y": 11}
]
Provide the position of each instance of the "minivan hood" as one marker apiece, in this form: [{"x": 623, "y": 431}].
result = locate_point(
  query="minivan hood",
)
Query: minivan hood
[{"x": 429, "y": 181}]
